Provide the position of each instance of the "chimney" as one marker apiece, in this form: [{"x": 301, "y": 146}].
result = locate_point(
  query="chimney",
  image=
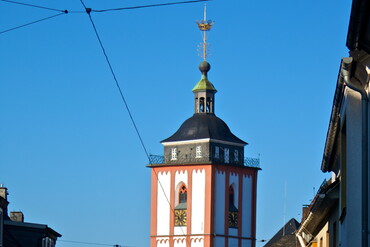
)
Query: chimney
[
  {"x": 3, "y": 192},
  {"x": 17, "y": 216},
  {"x": 305, "y": 212}
]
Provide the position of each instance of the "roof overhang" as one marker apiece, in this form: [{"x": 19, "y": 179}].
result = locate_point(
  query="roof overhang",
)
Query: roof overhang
[
  {"x": 334, "y": 124},
  {"x": 320, "y": 209},
  {"x": 204, "y": 140},
  {"x": 358, "y": 37}
]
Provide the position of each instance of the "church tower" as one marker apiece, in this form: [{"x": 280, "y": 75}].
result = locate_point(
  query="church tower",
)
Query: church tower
[{"x": 203, "y": 192}]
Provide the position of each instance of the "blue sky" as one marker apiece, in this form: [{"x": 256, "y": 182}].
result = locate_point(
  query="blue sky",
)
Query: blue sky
[{"x": 69, "y": 154}]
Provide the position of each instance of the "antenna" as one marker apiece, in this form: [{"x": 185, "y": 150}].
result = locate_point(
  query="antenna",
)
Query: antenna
[
  {"x": 205, "y": 26},
  {"x": 285, "y": 195}
]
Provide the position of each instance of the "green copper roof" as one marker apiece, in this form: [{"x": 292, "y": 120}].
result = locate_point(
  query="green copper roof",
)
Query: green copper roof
[{"x": 204, "y": 84}]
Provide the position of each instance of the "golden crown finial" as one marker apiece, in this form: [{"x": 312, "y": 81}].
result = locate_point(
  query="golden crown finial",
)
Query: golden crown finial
[{"x": 205, "y": 26}]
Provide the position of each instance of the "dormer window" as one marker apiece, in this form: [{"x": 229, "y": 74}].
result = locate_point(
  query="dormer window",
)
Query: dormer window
[
  {"x": 236, "y": 155},
  {"x": 217, "y": 152},
  {"x": 198, "y": 152},
  {"x": 226, "y": 155},
  {"x": 173, "y": 153}
]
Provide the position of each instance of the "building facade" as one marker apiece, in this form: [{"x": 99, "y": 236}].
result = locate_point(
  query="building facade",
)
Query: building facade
[
  {"x": 319, "y": 223},
  {"x": 15, "y": 232},
  {"x": 346, "y": 152}
]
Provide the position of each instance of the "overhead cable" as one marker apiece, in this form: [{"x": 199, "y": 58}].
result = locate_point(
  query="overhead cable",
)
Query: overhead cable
[
  {"x": 33, "y": 22},
  {"x": 148, "y": 6},
  {"x": 88, "y": 11},
  {"x": 90, "y": 243},
  {"x": 32, "y": 5}
]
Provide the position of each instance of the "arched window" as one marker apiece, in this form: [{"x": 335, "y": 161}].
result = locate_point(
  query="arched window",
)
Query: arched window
[
  {"x": 180, "y": 209},
  {"x": 233, "y": 211},
  {"x": 231, "y": 196},
  {"x": 208, "y": 104},
  {"x": 183, "y": 194},
  {"x": 201, "y": 104}
]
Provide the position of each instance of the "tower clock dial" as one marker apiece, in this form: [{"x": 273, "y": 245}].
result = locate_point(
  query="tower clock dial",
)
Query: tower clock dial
[
  {"x": 233, "y": 219},
  {"x": 180, "y": 217}
]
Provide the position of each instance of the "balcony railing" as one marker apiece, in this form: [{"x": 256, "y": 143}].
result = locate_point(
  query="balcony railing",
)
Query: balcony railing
[
  {"x": 159, "y": 159},
  {"x": 252, "y": 162}
]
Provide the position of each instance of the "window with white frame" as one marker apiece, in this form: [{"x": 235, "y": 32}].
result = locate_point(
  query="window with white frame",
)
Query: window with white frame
[
  {"x": 48, "y": 242},
  {"x": 236, "y": 155},
  {"x": 217, "y": 152},
  {"x": 226, "y": 155},
  {"x": 198, "y": 152},
  {"x": 174, "y": 154}
]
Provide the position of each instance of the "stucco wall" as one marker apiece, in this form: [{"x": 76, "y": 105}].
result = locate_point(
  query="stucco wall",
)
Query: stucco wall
[
  {"x": 198, "y": 201},
  {"x": 220, "y": 203},
  {"x": 163, "y": 208},
  {"x": 247, "y": 209},
  {"x": 352, "y": 235}
]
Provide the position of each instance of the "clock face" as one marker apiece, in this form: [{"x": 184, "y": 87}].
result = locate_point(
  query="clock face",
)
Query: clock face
[
  {"x": 180, "y": 217},
  {"x": 233, "y": 219}
]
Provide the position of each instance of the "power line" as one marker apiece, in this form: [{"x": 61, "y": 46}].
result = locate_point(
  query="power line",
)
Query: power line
[
  {"x": 103, "y": 10},
  {"x": 148, "y": 6},
  {"x": 33, "y": 22},
  {"x": 88, "y": 11},
  {"x": 90, "y": 243},
  {"x": 34, "y": 6}
]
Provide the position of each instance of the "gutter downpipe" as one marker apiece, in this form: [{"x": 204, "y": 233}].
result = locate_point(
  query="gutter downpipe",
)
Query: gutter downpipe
[
  {"x": 300, "y": 230},
  {"x": 301, "y": 241},
  {"x": 355, "y": 85}
]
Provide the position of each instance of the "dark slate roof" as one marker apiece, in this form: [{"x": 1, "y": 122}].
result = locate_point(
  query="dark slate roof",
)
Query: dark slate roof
[
  {"x": 201, "y": 126},
  {"x": 322, "y": 207},
  {"x": 285, "y": 237},
  {"x": 22, "y": 234},
  {"x": 358, "y": 36}
]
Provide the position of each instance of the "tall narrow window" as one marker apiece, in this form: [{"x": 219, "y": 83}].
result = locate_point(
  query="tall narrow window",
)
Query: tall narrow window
[
  {"x": 208, "y": 106},
  {"x": 174, "y": 154},
  {"x": 231, "y": 196},
  {"x": 233, "y": 211},
  {"x": 183, "y": 194},
  {"x": 180, "y": 209},
  {"x": 226, "y": 155},
  {"x": 217, "y": 152},
  {"x": 198, "y": 152},
  {"x": 236, "y": 155},
  {"x": 201, "y": 104}
]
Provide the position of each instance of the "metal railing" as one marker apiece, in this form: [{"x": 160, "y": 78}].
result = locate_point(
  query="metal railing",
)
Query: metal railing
[
  {"x": 160, "y": 159},
  {"x": 156, "y": 159},
  {"x": 252, "y": 162}
]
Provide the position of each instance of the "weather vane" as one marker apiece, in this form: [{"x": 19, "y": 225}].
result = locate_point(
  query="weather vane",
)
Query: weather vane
[{"x": 205, "y": 26}]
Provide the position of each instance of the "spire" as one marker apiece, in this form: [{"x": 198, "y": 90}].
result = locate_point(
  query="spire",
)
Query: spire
[
  {"x": 205, "y": 26},
  {"x": 204, "y": 91}
]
